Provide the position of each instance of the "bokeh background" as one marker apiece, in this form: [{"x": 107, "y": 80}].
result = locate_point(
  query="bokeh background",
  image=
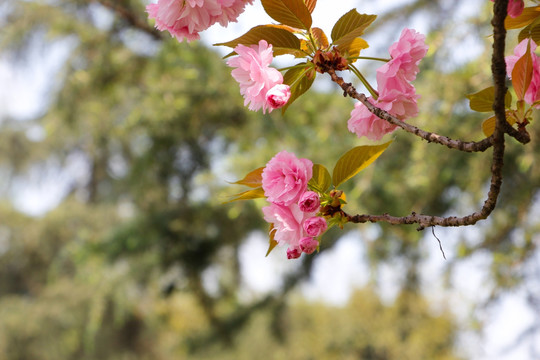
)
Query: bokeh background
[{"x": 116, "y": 147}]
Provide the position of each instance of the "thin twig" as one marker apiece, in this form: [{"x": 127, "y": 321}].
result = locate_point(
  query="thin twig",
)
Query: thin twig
[
  {"x": 439, "y": 240},
  {"x": 131, "y": 18}
]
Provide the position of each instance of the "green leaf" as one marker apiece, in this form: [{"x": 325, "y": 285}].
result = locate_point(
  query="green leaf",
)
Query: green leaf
[
  {"x": 356, "y": 160},
  {"x": 294, "y": 13},
  {"x": 350, "y": 26},
  {"x": 321, "y": 180},
  {"x": 527, "y": 17},
  {"x": 253, "y": 179},
  {"x": 299, "y": 81},
  {"x": 532, "y": 32},
  {"x": 482, "y": 101},
  {"x": 247, "y": 195},
  {"x": 272, "y": 242},
  {"x": 522, "y": 73},
  {"x": 488, "y": 125},
  {"x": 283, "y": 41}
]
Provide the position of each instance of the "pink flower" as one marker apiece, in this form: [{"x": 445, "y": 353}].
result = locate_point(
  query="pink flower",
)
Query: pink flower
[
  {"x": 515, "y": 8},
  {"x": 315, "y": 226},
  {"x": 184, "y": 19},
  {"x": 309, "y": 201},
  {"x": 285, "y": 178},
  {"x": 308, "y": 245},
  {"x": 407, "y": 53},
  {"x": 287, "y": 221},
  {"x": 231, "y": 10},
  {"x": 254, "y": 74},
  {"x": 397, "y": 95},
  {"x": 533, "y": 92},
  {"x": 293, "y": 253},
  {"x": 363, "y": 123},
  {"x": 278, "y": 96}
]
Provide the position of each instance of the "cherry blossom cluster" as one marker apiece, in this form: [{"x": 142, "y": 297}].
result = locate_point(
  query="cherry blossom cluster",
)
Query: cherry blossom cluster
[
  {"x": 532, "y": 95},
  {"x": 293, "y": 208},
  {"x": 396, "y": 94},
  {"x": 184, "y": 19},
  {"x": 261, "y": 85}
]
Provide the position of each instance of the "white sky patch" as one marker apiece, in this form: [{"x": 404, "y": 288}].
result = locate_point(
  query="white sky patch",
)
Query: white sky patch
[{"x": 339, "y": 271}]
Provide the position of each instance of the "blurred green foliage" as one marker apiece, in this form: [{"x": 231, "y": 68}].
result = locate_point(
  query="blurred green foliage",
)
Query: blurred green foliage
[{"x": 116, "y": 270}]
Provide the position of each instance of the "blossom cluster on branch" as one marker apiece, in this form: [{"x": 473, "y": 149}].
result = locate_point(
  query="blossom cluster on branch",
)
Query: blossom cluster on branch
[{"x": 304, "y": 198}]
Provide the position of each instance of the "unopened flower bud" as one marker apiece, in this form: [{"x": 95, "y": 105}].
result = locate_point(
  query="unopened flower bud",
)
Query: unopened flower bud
[
  {"x": 315, "y": 226},
  {"x": 309, "y": 201},
  {"x": 293, "y": 253},
  {"x": 278, "y": 96},
  {"x": 308, "y": 245}
]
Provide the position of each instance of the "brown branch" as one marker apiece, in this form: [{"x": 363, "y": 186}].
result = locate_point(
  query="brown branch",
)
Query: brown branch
[
  {"x": 472, "y": 146},
  {"x": 131, "y": 18},
  {"x": 498, "y": 69}
]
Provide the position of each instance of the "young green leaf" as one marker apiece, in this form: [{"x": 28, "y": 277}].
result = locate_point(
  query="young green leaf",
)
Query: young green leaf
[
  {"x": 321, "y": 180},
  {"x": 299, "y": 81},
  {"x": 253, "y": 179},
  {"x": 247, "y": 195},
  {"x": 482, "y": 101},
  {"x": 355, "y": 160},
  {"x": 488, "y": 125},
  {"x": 532, "y": 32},
  {"x": 522, "y": 73},
  {"x": 352, "y": 49},
  {"x": 282, "y": 40},
  {"x": 294, "y": 13},
  {"x": 350, "y": 26}
]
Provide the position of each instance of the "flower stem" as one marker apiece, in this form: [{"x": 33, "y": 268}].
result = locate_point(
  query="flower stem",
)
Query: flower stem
[{"x": 364, "y": 81}]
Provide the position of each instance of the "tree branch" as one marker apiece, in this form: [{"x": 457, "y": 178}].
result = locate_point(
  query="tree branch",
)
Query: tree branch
[
  {"x": 498, "y": 69},
  {"x": 131, "y": 18}
]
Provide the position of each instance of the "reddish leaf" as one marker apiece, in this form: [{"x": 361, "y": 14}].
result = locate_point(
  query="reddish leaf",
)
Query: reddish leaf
[
  {"x": 272, "y": 242},
  {"x": 311, "y": 5},
  {"x": 320, "y": 37},
  {"x": 522, "y": 73},
  {"x": 253, "y": 179}
]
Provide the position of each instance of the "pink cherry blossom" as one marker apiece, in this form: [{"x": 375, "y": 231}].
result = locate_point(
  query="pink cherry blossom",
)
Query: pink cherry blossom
[
  {"x": 309, "y": 201},
  {"x": 184, "y": 19},
  {"x": 515, "y": 8},
  {"x": 288, "y": 223},
  {"x": 308, "y": 244},
  {"x": 407, "y": 53},
  {"x": 533, "y": 92},
  {"x": 285, "y": 178},
  {"x": 254, "y": 74},
  {"x": 315, "y": 226},
  {"x": 278, "y": 96},
  {"x": 397, "y": 95}
]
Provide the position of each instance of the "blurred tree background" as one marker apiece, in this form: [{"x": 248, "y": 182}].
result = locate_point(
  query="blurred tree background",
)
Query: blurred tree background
[{"x": 140, "y": 259}]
